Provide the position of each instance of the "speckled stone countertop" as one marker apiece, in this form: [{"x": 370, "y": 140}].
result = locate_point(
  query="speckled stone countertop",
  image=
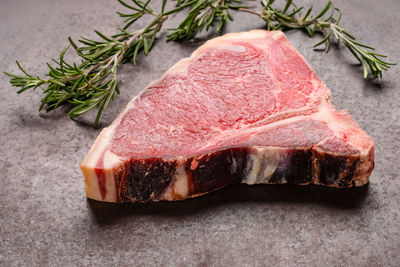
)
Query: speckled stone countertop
[{"x": 46, "y": 220}]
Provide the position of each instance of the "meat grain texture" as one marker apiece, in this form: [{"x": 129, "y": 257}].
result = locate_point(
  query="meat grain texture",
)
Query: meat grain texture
[{"x": 244, "y": 108}]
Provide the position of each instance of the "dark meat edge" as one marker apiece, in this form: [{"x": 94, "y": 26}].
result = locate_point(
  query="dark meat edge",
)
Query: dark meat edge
[{"x": 144, "y": 180}]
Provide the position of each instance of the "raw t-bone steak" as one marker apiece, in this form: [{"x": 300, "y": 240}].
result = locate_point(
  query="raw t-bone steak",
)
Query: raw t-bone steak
[{"x": 244, "y": 108}]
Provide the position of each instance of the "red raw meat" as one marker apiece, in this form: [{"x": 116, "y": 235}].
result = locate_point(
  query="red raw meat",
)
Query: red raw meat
[{"x": 244, "y": 108}]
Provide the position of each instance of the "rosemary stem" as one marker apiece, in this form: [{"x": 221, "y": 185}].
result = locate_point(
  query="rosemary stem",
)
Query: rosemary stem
[{"x": 250, "y": 11}]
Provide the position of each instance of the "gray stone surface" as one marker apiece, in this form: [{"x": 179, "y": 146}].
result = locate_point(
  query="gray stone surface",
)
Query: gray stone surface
[{"x": 46, "y": 220}]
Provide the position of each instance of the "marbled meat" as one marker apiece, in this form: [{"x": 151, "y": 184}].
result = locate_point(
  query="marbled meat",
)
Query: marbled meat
[{"x": 244, "y": 108}]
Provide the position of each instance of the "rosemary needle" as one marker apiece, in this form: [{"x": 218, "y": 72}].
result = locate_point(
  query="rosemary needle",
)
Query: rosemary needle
[{"x": 93, "y": 83}]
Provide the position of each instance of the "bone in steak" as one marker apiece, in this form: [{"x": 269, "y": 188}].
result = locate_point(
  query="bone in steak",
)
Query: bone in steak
[{"x": 244, "y": 108}]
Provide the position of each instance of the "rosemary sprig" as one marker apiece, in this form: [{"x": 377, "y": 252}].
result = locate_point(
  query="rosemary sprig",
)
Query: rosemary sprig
[
  {"x": 202, "y": 15},
  {"x": 92, "y": 84},
  {"x": 326, "y": 23}
]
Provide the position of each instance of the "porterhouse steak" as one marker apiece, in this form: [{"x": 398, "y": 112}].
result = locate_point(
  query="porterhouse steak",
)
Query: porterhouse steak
[{"x": 244, "y": 108}]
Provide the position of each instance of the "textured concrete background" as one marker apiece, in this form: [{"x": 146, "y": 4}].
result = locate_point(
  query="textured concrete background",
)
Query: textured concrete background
[{"x": 45, "y": 218}]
